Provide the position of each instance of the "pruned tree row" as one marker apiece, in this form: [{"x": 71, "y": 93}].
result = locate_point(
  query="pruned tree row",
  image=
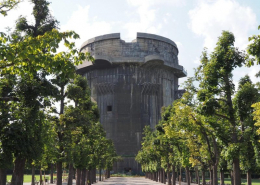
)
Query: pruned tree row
[
  {"x": 214, "y": 127},
  {"x": 35, "y": 79}
]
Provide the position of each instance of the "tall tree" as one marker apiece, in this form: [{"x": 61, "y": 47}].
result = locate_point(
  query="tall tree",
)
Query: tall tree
[
  {"x": 31, "y": 58},
  {"x": 217, "y": 88},
  {"x": 6, "y": 87},
  {"x": 247, "y": 95}
]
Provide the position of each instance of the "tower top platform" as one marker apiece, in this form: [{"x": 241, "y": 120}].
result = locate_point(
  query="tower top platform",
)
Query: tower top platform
[{"x": 146, "y": 49}]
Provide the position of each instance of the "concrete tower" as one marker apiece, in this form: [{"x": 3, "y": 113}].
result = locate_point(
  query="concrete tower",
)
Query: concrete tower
[{"x": 131, "y": 82}]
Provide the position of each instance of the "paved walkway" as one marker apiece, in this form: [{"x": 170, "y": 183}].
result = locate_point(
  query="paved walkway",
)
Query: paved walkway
[
  {"x": 131, "y": 181},
  {"x": 127, "y": 181},
  {"x": 124, "y": 181}
]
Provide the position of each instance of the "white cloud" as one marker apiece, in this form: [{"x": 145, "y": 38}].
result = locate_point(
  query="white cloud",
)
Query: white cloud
[
  {"x": 85, "y": 26},
  {"x": 144, "y": 24},
  {"x": 197, "y": 61},
  {"x": 24, "y": 8},
  {"x": 148, "y": 3},
  {"x": 179, "y": 44},
  {"x": 209, "y": 18},
  {"x": 238, "y": 73},
  {"x": 147, "y": 11},
  {"x": 252, "y": 73}
]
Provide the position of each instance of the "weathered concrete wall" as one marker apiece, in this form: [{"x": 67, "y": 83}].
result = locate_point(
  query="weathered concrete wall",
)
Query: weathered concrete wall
[{"x": 130, "y": 83}]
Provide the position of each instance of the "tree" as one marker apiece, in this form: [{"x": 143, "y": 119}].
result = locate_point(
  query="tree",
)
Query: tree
[
  {"x": 148, "y": 156},
  {"x": 30, "y": 59},
  {"x": 216, "y": 91},
  {"x": 6, "y": 86},
  {"x": 60, "y": 81},
  {"x": 7, "y": 5},
  {"x": 246, "y": 96},
  {"x": 254, "y": 49},
  {"x": 198, "y": 143}
]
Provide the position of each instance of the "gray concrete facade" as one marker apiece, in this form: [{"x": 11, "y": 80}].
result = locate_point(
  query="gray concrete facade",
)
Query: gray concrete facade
[{"x": 131, "y": 82}]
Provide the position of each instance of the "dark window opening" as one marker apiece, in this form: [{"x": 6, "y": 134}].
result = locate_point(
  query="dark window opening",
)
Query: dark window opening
[
  {"x": 109, "y": 108},
  {"x": 127, "y": 170}
]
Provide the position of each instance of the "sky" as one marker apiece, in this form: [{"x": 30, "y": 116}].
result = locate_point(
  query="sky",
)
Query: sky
[{"x": 191, "y": 24}]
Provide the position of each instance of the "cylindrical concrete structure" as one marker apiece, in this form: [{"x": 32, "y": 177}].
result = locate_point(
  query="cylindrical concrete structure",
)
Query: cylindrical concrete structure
[{"x": 131, "y": 82}]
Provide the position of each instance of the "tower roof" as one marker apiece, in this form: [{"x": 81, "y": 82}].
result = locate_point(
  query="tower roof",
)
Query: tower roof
[{"x": 146, "y": 49}]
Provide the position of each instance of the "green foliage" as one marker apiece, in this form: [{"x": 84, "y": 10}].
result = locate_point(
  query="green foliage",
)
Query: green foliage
[
  {"x": 256, "y": 114},
  {"x": 253, "y": 49},
  {"x": 43, "y": 20},
  {"x": 212, "y": 125},
  {"x": 7, "y": 5},
  {"x": 84, "y": 139},
  {"x": 27, "y": 57}
]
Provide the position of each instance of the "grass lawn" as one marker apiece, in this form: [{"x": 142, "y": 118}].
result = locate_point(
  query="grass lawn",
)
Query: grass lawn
[
  {"x": 254, "y": 181},
  {"x": 27, "y": 178},
  {"x": 124, "y": 175}
]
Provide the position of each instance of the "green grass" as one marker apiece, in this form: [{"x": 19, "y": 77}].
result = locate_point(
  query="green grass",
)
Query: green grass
[
  {"x": 27, "y": 178},
  {"x": 124, "y": 175},
  {"x": 254, "y": 181}
]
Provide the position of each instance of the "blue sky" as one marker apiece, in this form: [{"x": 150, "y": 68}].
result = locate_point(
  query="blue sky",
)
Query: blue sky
[{"x": 191, "y": 24}]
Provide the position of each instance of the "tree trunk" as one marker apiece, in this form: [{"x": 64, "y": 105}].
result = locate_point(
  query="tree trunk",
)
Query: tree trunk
[
  {"x": 17, "y": 177},
  {"x": 231, "y": 177},
  {"x": 33, "y": 175},
  {"x": 190, "y": 177},
  {"x": 108, "y": 173},
  {"x": 71, "y": 173},
  {"x": 91, "y": 176},
  {"x": 203, "y": 178},
  {"x": 215, "y": 175},
  {"x": 169, "y": 175},
  {"x": 94, "y": 175},
  {"x": 88, "y": 177},
  {"x": 44, "y": 180},
  {"x": 41, "y": 177},
  {"x": 59, "y": 173},
  {"x": 83, "y": 176},
  {"x": 222, "y": 182},
  {"x": 211, "y": 176},
  {"x": 236, "y": 172},
  {"x": 3, "y": 176},
  {"x": 173, "y": 175},
  {"x": 187, "y": 175},
  {"x": 100, "y": 174},
  {"x": 78, "y": 176},
  {"x": 197, "y": 175},
  {"x": 180, "y": 177},
  {"x": 159, "y": 175},
  {"x": 164, "y": 179},
  {"x": 51, "y": 173},
  {"x": 249, "y": 180}
]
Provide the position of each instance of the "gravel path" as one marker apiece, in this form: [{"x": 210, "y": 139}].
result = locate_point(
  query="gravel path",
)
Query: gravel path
[{"x": 123, "y": 181}]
